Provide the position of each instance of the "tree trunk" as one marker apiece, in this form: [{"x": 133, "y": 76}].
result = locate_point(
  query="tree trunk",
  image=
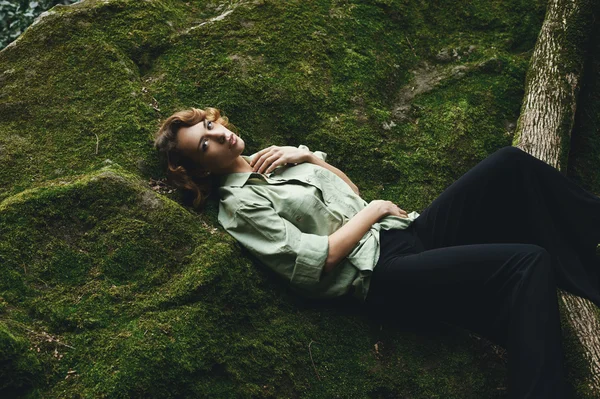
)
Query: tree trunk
[
  {"x": 544, "y": 131},
  {"x": 552, "y": 82}
]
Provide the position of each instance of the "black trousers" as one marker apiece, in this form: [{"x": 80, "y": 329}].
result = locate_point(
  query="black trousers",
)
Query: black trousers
[{"x": 488, "y": 254}]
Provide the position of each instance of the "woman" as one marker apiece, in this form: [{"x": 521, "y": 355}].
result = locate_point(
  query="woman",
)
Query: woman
[{"x": 487, "y": 254}]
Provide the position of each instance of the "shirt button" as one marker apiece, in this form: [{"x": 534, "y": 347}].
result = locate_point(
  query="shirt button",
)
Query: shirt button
[
  {"x": 308, "y": 179},
  {"x": 298, "y": 218}
]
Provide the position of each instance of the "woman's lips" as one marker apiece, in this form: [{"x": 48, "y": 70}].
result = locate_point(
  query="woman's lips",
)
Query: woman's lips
[{"x": 232, "y": 140}]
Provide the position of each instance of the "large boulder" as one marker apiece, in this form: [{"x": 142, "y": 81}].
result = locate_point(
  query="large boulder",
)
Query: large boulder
[{"x": 111, "y": 286}]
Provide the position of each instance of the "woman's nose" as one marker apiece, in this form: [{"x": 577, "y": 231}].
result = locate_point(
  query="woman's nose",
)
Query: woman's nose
[{"x": 218, "y": 136}]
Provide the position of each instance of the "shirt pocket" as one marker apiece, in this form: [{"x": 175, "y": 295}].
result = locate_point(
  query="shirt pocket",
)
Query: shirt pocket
[{"x": 313, "y": 217}]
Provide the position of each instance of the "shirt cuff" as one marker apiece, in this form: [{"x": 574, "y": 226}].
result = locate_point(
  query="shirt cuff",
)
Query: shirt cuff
[
  {"x": 310, "y": 259},
  {"x": 319, "y": 154}
]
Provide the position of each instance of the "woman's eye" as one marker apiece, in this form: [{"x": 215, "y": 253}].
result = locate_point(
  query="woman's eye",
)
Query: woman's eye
[
  {"x": 204, "y": 144},
  {"x": 209, "y": 125}
]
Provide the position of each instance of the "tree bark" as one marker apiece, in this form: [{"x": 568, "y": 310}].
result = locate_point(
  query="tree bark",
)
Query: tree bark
[
  {"x": 552, "y": 81},
  {"x": 544, "y": 130}
]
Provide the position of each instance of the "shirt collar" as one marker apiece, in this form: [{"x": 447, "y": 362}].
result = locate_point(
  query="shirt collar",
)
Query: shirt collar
[{"x": 240, "y": 179}]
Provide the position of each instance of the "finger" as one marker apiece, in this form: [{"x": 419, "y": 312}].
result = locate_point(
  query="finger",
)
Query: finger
[
  {"x": 260, "y": 161},
  {"x": 402, "y": 212},
  {"x": 267, "y": 162},
  {"x": 257, "y": 163},
  {"x": 260, "y": 154},
  {"x": 256, "y": 157},
  {"x": 274, "y": 165}
]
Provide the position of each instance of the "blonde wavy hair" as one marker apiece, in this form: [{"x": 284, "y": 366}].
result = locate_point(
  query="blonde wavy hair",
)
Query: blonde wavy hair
[{"x": 182, "y": 172}]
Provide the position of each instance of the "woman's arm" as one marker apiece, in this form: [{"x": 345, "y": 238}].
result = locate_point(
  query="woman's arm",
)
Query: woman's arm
[
  {"x": 266, "y": 160},
  {"x": 276, "y": 242},
  {"x": 346, "y": 237},
  {"x": 300, "y": 257}
]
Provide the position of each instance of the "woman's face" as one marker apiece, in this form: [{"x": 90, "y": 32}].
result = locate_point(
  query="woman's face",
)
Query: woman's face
[{"x": 211, "y": 145}]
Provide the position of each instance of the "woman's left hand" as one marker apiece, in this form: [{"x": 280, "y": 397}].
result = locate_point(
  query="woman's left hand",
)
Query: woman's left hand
[{"x": 265, "y": 161}]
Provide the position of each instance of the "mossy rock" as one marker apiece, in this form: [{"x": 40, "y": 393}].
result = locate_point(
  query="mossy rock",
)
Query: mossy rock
[
  {"x": 126, "y": 285},
  {"x": 19, "y": 367},
  {"x": 128, "y": 292}
]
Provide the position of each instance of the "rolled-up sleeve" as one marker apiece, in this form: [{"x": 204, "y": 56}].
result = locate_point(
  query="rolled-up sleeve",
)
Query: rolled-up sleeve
[{"x": 297, "y": 256}]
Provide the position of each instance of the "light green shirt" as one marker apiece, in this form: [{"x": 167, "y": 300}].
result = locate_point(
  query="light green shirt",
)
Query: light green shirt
[{"x": 285, "y": 217}]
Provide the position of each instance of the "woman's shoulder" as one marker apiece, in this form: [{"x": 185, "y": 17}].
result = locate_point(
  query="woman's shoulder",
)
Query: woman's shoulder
[{"x": 242, "y": 196}]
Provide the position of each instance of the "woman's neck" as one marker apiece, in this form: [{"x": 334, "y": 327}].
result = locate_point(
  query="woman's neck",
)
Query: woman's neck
[{"x": 240, "y": 165}]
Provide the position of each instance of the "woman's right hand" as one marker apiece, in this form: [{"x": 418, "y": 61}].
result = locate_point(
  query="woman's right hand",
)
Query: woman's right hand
[
  {"x": 386, "y": 208},
  {"x": 346, "y": 237}
]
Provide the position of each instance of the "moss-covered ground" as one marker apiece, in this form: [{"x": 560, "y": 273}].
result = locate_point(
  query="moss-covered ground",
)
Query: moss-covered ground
[{"x": 109, "y": 289}]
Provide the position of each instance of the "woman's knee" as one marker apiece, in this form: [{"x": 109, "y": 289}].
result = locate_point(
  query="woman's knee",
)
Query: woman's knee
[
  {"x": 510, "y": 154},
  {"x": 539, "y": 259},
  {"x": 535, "y": 251},
  {"x": 509, "y": 160}
]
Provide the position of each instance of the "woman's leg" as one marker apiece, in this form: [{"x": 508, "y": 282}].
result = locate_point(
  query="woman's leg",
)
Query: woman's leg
[
  {"x": 513, "y": 197},
  {"x": 506, "y": 292}
]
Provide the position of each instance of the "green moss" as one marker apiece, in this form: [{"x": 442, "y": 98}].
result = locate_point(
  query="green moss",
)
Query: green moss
[
  {"x": 19, "y": 369},
  {"x": 331, "y": 60},
  {"x": 201, "y": 316}
]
